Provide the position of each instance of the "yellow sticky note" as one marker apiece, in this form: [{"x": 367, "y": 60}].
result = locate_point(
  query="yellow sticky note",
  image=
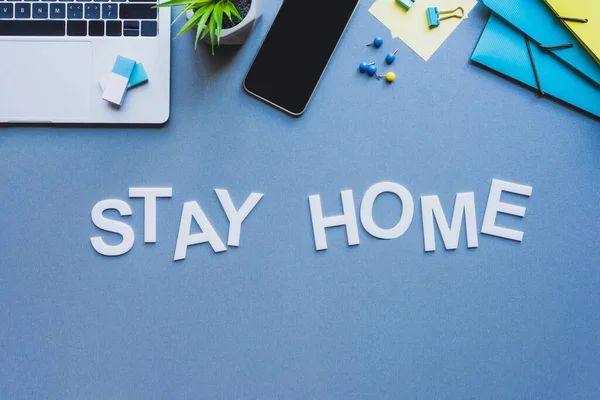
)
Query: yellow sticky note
[
  {"x": 589, "y": 33},
  {"x": 411, "y": 25}
]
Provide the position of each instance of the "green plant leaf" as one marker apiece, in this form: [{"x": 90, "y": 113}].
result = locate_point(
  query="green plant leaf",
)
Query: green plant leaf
[
  {"x": 174, "y": 3},
  {"x": 202, "y": 14},
  {"x": 204, "y": 33},
  {"x": 197, "y": 14},
  {"x": 202, "y": 22},
  {"x": 185, "y": 9},
  {"x": 218, "y": 18},
  {"x": 207, "y": 17},
  {"x": 227, "y": 9},
  {"x": 211, "y": 31},
  {"x": 235, "y": 11}
]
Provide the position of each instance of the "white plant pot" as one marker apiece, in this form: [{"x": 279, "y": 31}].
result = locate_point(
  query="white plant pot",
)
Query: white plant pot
[{"x": 238, "y": 34}]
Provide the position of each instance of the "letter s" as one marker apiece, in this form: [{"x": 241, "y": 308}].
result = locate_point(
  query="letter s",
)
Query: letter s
[{"x": 113, "y": 226}]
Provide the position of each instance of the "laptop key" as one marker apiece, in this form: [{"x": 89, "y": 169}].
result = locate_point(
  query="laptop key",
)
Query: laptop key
[
  {"x": 23, "y": 10},
  {"x": 92, "y": 11},
  {"x": 137, "y": 11},
  {"x": 6, "y": 10},
  {"x": 96, "y": 28},
  {"x": 110, "y": 11},
  {"x": 131, "y": 28},
  {"x": 57, "y": 11},
  {"x": 149, "y": 28},
  {"x": 114, "y": 28},
  {"x": 32, "y": 28},
  {"x": 75, "y": 11},
  {"x": 76, "y": 28},
  {"x": 40, "y": 11}
]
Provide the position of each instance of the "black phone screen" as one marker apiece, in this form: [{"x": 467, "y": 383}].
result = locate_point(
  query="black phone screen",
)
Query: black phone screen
[{"x": 296, "y": 51}]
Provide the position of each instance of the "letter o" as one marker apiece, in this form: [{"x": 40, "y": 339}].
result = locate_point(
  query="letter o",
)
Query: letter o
[{"x": 366, "y": 210}]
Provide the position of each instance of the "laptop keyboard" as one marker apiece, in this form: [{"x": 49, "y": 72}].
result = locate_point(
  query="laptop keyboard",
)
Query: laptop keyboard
[{"x": 114, "y": 18}]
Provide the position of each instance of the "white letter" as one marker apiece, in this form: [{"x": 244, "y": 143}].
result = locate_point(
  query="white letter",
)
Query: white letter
[
  {"x": 184, "y": 239},
  {"x": 366, "y": 210},
  {"x": 494, "y": 206},
  {"x": 236, "y": 217},
  {"x": 464, "y": 204},
  {"x": 150, "y": 195},
  {"x": 110, "y": 225},
  {"x": 348, "y": 219}
]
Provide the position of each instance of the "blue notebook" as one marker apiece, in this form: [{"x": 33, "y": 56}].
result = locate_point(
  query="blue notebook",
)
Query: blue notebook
[
  {"x": 502, "y": 47},
  {"x": 535, "y": 19}
]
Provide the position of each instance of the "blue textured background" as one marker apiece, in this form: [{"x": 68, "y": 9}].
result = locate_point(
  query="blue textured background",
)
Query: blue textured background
[{"x": 274, "y": 318}]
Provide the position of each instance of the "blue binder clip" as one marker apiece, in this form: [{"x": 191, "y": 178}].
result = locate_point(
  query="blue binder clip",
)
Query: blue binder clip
[
  {"x": 433, "y": 15},
  {"x": 406, "y": 3}
]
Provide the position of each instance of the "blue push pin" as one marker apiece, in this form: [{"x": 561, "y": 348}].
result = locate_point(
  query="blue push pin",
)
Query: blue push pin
[
  {"x": 377, "y": 42},
  {"x": 364, "y": 67},
  {"x": 391, "y": 57},
  {"x": 371, "y": 70},
  {"x": 433, "y": 15}
]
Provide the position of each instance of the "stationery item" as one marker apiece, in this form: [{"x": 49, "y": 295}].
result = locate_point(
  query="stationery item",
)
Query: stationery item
[
  {"x": 406, "y": 3},
  {"x": 137, "y": 78},
  {"x": 572, "y": 19},
  {"x": 377, "y": 42},
  {"x": 572, "y": 12},
  {"x": 391, "y": 57},
  {"x": 532, "y": 59},
  {"x": 434, "y": 18},
  {"x": 118, "y": 80},
  {"x": 371, "y": 70},
  {"x": 535, "y": 19},
  {"x": 411, "y": 27},
  {"x": 364, "y": 67},
  {"x": 389, "y": 77},
  {"x": 503, "y": 48}
]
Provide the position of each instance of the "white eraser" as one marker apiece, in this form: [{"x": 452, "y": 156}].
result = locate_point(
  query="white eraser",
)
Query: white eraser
[{"x": 118, "y": 81}]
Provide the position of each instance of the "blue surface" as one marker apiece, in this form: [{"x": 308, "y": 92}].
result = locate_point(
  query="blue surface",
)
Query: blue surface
[{"x": 274, "y": 318}]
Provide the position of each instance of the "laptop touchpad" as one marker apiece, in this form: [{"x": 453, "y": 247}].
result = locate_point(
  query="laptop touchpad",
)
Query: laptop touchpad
[{"x": 45, "y": 81}]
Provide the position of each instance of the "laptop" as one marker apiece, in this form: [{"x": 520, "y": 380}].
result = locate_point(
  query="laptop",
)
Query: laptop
[{"x": 55, "y": 53}]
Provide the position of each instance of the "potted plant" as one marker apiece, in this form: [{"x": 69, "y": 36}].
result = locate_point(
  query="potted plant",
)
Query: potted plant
[{"x": 218, "y": 22}]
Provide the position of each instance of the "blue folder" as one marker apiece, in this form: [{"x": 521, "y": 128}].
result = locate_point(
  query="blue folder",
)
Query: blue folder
[
  {"x": 502, "y": 47},
  {"x": 535, "y": 19}
]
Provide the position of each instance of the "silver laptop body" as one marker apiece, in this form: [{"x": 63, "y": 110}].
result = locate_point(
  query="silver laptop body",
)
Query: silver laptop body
[{"x": 51, "y": 77}]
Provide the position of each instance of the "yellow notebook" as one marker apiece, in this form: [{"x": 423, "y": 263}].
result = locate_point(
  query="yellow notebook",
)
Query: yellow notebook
[{"x": 587, "y": 33}]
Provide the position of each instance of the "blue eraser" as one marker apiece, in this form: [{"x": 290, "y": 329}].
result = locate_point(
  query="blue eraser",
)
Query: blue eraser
[
  {"x": 123, "y": 66},
  {"x": 433, "y": 17},
  {"x": 406, "y": 3},
  {"x": 138, "y": 76}
]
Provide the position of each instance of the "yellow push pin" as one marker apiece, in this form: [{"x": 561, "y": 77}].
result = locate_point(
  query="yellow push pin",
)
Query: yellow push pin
[{"x": 389, "y": 77}]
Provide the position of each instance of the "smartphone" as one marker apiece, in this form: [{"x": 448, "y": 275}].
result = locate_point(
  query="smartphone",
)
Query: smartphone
[{"x": 296, "y": 51}]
